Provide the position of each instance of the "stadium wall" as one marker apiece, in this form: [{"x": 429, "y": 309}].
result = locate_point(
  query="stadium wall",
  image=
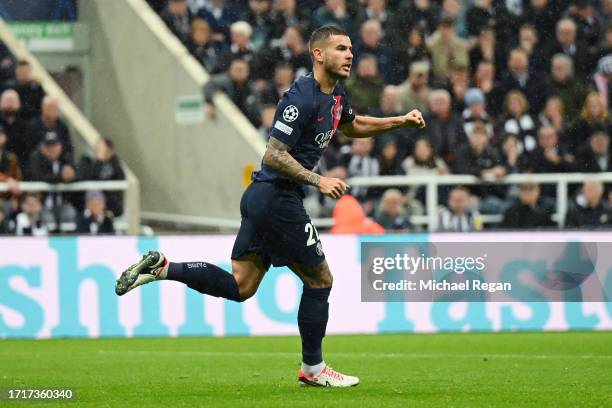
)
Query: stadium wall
[
  {"x": 64, "y": 287},
  {"x": 147, "y": 90}
]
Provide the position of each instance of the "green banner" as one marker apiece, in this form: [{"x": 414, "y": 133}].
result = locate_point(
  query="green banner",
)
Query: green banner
[{"x": 45, "y": 36}]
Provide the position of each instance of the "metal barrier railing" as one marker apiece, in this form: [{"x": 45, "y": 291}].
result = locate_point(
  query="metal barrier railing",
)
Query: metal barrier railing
[{"x": 561, "y": 180}]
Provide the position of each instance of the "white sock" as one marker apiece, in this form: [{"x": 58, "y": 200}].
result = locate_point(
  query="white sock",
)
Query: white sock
[{"x": 313, "y": 370}]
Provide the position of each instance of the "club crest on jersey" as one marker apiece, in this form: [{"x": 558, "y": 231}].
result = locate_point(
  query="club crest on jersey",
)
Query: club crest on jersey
[{"x": 291, "y": 113}]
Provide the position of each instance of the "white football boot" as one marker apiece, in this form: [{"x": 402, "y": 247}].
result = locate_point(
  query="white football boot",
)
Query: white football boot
[{"x": 328, "y": 377}]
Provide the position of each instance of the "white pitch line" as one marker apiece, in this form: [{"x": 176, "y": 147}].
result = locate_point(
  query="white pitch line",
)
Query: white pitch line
[
  {"x": 365, "y": 355},
  {"x": 242, "y": 354}
]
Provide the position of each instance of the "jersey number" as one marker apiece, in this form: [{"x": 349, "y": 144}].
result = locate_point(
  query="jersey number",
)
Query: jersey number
[{"x": 312, "y": 233}]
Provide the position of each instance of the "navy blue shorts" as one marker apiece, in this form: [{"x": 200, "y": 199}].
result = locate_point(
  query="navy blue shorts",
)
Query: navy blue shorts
[{"x": 275, "y": 226}]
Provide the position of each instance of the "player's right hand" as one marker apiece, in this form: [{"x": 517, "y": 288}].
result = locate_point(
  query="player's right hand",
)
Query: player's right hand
[{"x": 332, "y": 187}]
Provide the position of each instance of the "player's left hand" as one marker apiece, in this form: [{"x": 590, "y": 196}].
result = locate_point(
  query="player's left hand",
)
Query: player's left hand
[{"x": 414, "y": 119}]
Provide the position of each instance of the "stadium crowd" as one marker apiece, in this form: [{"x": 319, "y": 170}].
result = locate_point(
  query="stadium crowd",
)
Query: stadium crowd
[
  {"x": 35, "y": 145},
  {"x": 507, "y": 86}
]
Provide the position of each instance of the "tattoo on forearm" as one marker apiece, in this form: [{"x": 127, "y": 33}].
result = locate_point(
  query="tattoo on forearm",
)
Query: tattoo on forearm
[{"x": 277, "y": 157}]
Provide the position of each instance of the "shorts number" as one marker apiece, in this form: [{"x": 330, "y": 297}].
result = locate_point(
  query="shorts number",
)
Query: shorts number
[{"x": 312, "y": 233}]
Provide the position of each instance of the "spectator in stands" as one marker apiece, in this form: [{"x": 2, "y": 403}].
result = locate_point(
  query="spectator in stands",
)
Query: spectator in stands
[
  {"x": 334, "y": 12},
  {"x": 390, "y": 213},
  {"x": 520, "y": 77},
  {"x": 30, "y": 220},
  {"x": 7, "y": 64},
  {"x": 527, "y": 213},
  {"x": 274, "y": 90},
  {"x": 517, "y": 121},
  {"x": 444, "y": 127},
  {"x": 285, "y": 13},
  {"x": 258, "y": 16},
  {"x": 459, "y": 216},
  {"x": 543, "y": 15},
  {"x": 177, "y": 17},
  {"x": 457, "y": 85},
  {"x": 48, "y": 164},
  {"x": 487, "y": 13},
  {"x": 29, "y": 90},
  {"x": 602, "y": 79},
  {"x": 50, "y": 121},
  {"x": 361, "y": 163},
  {"x": 201, "y": 45},
  {"x": 562, "y": 83},
  {"x": 590, "y": 210},
  {"x": 95, "y": 220},
  {"x": 484, "y": 79},
  {"x": 365, "y": 85},
  {"x": 21, "y": 141},
  {"x": 290, "y": 50},
  {"x": 514, "y": 158},
  {"x": 447, "y": 49},
  {"x": 414, "y": 91},
  {"x": 370, "y": 44},
  {"x": 485, "y": 49},
  {"x": 376, "y": 10},
  {"x": 567, "y": 43},
  {"x": 418, "y": 13},
  {"x": 237, "y": 86},
  {"x": 10, "y": 172},
  {"x": 411, "y": 49},
  {"x": 105, "y": 166},
  {"x": 550, "y": 156},
  {"x": 475, "y": 112},
  {"x": 588, "y": 26},
  {"x": 390, "y": 105},
  {"x": 423, "y": 162},
  {"x": 220, "y": 16},
  {"x": 553, "y": 115},
  {"x": 240, "y": 47},
  {"x": 536, "y": 52},
  {"x": 595, "y": 157},
  {"x": 594, "y": 116},
  {"x": 350, "y": 218},
  {"x": 479, "y": 158}
]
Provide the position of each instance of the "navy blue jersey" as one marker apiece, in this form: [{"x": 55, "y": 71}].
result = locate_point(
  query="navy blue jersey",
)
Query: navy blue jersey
[{"x": 306, "y": 119}]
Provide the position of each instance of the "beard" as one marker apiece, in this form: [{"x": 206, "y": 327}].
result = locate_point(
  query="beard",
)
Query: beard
[{"x": 336, "y": 71}]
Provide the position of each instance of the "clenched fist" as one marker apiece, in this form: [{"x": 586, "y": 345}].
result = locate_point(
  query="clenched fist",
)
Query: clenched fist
[
  {"x": 332, "y": 187},
  {"x": 414, "y": 119}
]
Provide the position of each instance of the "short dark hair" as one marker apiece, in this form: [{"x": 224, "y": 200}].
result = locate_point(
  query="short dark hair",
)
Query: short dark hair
[{"x": 323, "y": 33}]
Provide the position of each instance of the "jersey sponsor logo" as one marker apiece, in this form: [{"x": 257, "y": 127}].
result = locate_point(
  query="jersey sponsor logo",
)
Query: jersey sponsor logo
[
  {"x": 283, "y": 128},
  {"x": 291, "y": 113},
  {"x": 323, "y": 138}
]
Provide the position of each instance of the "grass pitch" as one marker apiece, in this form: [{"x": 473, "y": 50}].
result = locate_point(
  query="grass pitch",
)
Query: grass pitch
[{"x": 447, "y": 370}]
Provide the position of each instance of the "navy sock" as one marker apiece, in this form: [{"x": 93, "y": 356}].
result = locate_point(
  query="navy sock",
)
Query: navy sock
[
  {"x": 312, "y": 322},
  {"x": 205, "y": 278}
]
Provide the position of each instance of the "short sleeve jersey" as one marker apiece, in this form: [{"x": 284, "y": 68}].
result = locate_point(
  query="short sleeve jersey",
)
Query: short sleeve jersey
[{"x": 306, "y": 119}]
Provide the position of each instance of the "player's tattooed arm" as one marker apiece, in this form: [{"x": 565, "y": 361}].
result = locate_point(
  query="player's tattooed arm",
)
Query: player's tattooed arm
[{"x": 278, "y": 158}]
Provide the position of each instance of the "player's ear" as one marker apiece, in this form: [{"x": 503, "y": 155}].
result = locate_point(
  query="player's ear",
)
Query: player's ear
[{"x": 317, "y": 54}]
